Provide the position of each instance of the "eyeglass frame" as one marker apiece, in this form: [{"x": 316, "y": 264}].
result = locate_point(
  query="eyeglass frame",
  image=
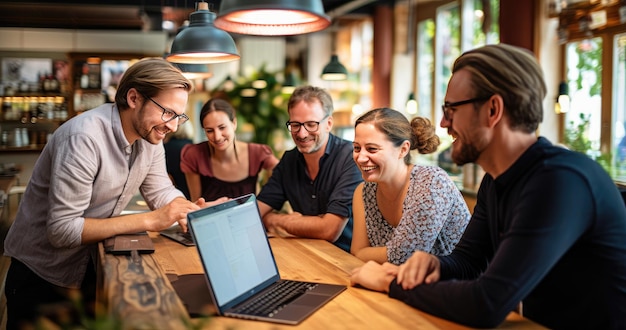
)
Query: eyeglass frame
[
  {"x": 303, "y": 124},
  {"x": 447, "y": 105},
  {"x": 182, "y": 118}
]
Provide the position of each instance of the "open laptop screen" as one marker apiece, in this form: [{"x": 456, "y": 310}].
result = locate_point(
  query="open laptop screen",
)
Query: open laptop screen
[{"x": 234, "y": 250}]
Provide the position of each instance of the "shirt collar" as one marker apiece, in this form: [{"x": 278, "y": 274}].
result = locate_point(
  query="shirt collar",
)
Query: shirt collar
[{"x": 118, "y": 131}]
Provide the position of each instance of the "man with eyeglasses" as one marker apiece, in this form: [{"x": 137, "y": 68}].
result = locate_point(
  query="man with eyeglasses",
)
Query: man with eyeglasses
[
  {"x": 548, "y": 233},
  {"x": 317, "y": 177},
  {"x": 84, "y": 178}
]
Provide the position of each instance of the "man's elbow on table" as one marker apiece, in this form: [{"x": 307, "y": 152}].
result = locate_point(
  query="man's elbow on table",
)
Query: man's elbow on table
[{"x": 334, "y": 225}]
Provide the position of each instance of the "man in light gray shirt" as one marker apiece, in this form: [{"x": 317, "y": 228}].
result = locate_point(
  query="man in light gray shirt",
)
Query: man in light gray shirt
[{"x": 86, "y": 175}]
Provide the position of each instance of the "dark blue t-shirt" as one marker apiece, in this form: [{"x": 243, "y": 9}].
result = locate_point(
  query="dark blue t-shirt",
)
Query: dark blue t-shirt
[{"x": 330, "y": 192}]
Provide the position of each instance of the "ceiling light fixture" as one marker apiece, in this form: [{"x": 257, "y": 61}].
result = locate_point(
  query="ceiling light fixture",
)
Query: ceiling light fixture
[
  {"x": 194, "y": 71},
  {"x": 411, "y": 105},
  {"x": 201, "y": 42},
  {"x": 563, "y": 100},
  {"x": 289, "y": 85},
  {"x": 334, "y": 70},
  {"x": 272, "y": 17}
]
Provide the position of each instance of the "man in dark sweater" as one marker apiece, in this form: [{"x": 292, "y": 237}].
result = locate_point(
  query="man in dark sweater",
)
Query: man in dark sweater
[{"x": 549, "y": 227}]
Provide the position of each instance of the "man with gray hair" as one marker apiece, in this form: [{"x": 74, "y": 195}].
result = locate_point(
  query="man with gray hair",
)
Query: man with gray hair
[
  {"x": 549, "y": 226},
  {"x": 317, "y": 177}
]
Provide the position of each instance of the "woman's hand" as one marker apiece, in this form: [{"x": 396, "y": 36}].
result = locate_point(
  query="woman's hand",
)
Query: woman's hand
[
  {"x": 374, "y": 276},
  {"x": 420, "y": 268}
]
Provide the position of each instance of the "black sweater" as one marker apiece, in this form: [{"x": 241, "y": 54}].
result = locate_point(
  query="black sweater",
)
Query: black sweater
[{"x": 551, "y": 232}]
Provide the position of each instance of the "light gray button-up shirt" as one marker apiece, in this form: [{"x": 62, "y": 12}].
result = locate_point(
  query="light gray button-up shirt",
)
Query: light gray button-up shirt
[{"x": 87, "y": 170}]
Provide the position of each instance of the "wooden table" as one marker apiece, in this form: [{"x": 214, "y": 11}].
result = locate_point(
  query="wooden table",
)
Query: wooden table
[{"x": 141, "y": 295}]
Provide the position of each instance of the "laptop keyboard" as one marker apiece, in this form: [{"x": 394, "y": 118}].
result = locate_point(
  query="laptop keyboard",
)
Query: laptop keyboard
[
  {"x": 274, "y": 300},
  {"x": 187, "y": 238}
]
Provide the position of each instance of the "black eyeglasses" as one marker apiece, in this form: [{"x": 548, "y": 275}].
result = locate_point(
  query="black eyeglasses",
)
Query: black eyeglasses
[
  {"x": 447, "y": 112},
  {"x": 169, "y": 115},
  {"x": 309, "y": 126}
]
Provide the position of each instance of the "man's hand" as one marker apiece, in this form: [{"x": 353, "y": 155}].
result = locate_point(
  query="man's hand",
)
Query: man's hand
[
  {"x": 202, "y": 203},
  {"x": 199, "y": 204},
  {"x": 174, "y": 211},
  {"x": 273, "y": 220},
  {"x": 420, "y": 268},
  {"x": 374, "y": 276}
]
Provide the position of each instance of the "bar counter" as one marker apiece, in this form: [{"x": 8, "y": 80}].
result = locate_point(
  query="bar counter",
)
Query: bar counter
[{"x": 138, "y": 291}]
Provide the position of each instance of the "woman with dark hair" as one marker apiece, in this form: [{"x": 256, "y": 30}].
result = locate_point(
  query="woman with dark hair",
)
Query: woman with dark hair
[
  {"x": 223, "y": 166},
  {"x": 402, "y": 207}
]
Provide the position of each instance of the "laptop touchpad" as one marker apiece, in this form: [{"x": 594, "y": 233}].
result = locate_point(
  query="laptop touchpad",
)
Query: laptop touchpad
[{"x": 311, "y": 300}]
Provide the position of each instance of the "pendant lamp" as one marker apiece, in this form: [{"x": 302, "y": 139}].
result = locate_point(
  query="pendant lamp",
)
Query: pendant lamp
[
  {"x": 563, "y": 100},
  {"x": 411, "y": 104},
  {"x": 289, "y": 85},
  {"x": 201, "y": 42},
  {"x": 194, "y": 71},
  {"x": 334, "y": 70},
  {"x": 272, "y": 17}
]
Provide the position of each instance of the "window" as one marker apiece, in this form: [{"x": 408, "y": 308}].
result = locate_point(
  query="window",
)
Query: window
[
  {"x": 448, "y": 48},
  {"x": 619, "y": 108},
  {"x": 425, "y": 66},
  {"x": 584, "y": 78},
  {"x": 595, "y": 67},
  {"x": 454, "y": 28},
  {"x": 596, "y": 122}
]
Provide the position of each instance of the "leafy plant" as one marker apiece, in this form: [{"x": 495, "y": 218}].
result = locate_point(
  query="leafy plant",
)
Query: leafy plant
[
  {"x": 576, "y": 139},
  {"x": 264, "y": 108},
  {"x": 576, "y": 135}
]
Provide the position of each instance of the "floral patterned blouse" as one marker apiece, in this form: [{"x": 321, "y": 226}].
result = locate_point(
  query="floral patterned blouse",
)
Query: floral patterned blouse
[{"x": 434, "y": 216}]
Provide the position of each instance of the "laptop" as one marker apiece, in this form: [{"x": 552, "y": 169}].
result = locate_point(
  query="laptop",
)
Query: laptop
[
  {"x": 240, "y": 269},
  {"x": 176, "y": 233}
]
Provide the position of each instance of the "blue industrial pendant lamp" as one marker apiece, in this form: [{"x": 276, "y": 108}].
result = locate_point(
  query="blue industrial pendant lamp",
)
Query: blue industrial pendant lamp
[
  {"x": 201, "y": 42},
  {"x": 272, "y": 17}
]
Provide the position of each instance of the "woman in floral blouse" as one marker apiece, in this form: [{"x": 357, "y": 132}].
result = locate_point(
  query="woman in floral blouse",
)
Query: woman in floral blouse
[{"x": 402, "y": 207}]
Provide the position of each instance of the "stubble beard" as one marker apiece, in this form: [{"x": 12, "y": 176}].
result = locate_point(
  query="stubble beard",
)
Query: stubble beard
[{"x": 466, "y": 153}]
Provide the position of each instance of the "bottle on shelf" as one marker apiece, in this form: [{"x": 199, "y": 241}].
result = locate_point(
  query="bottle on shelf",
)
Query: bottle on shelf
[
  {"x": 84, "y": 78},
  {"x": 4, "y": 142},
  {"x": 17, "y": 138},
  {"x": 25, "y": 137},
  {"x": 60, "y": 107},
  {"x": 33, "y": 106},
  {"x": 49, "y": 106},
  {"x": 47, "y": 83},
  {"x": 41, "y": 108},
  {"x": 25, "y": 110},
  {"x": 54, "y": 83},
  {"x": 42, "y": 81}
]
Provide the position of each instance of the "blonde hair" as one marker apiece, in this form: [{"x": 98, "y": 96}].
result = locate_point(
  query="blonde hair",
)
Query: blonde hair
[
  {"x": 149, "y": 76},
  {"x": 514, "y": 74}
]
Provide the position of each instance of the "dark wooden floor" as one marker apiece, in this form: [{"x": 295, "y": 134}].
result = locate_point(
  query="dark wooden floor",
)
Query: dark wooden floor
[{"x": 6, "y": 218}]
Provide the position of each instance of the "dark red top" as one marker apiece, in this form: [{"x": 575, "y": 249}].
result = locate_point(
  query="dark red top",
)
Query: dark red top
[{"x": 195, "y": 158}]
